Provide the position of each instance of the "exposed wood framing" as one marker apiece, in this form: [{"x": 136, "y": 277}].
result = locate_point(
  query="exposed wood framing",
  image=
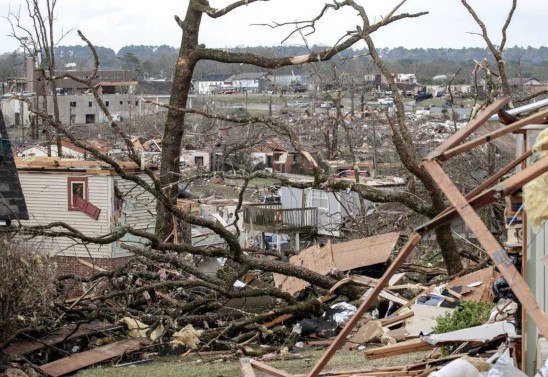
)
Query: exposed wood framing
[
  {"x": 467, "y": 130},
  {"x": 535, "y": 118},
  {"x": 490, "y": 244},
  {"x": 504, "y": 188}
]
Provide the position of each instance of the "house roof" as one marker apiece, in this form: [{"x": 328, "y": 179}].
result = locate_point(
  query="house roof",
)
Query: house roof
[
  {"x": 517, "y": 81},
  {"x": 248, "y": 76},
  {"x": 214, "y": 77},
  {"x": 12, "y": 200},
  {"x": 70, "y": 164}
]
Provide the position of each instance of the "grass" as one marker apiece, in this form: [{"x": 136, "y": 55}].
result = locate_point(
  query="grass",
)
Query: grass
[{"x": 342, "y": 360}]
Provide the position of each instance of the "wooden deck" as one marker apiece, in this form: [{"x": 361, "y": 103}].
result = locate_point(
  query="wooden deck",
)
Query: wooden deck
[{"x": 273, "y": 218}]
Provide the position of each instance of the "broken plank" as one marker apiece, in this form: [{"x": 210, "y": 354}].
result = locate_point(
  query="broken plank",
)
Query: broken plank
[
  {"x": 413, "y": 345},
  {"x": 392, "y": 320},
  {"x": 62, "y": 334},
  {"x": 247, "y": 369},
  {"x": 535, "y": 118},
  {"x": 271, "y": 371},
  {"x": 469, "y": 128},
  {"x": 87, "y": 358}
]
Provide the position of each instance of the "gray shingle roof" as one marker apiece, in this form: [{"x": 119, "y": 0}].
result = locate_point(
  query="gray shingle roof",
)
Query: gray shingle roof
[{"x": 12, "y": 201}]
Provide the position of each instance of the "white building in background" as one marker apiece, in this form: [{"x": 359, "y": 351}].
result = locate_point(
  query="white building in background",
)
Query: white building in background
[{"x": 211, "y": 84}]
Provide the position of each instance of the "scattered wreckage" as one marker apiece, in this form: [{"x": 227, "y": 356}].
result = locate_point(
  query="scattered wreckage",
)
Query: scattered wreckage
[{"x": 393, "y": 311}]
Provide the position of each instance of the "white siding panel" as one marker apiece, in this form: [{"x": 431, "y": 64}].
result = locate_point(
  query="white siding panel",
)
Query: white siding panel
[{"x": 47, "y": 201}]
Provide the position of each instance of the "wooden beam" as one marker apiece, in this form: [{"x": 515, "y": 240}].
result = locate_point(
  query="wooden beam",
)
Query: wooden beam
[
  {"x": 271, "y": 371},
  {"x": 538, "y": 117},
  {"x": 413, "y": 345},
  {"x": 474, "y": 124},
  {"x": 504, "y": 188},
  {"x": 247, "y": 369},
  {"x": 366, "y": 304},
  {"x": 491, "y": 245}
]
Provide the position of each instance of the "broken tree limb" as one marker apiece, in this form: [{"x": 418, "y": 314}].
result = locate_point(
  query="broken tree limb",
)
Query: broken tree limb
[
  {"x": 383, "y": 281},
  {"x": 490, "y": 244}
]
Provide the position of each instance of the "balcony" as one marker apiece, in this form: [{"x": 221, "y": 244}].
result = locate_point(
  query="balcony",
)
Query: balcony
[{"x": 273, "y": 218}]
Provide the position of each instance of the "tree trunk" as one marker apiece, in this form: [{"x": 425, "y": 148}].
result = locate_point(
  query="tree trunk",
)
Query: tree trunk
[{"x": 174, "y": 126}]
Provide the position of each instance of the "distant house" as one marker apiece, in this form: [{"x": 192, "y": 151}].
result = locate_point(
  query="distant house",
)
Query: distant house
[
  {"x": 212, "y": 83},
  {"x": 68, "y": 148},
  {"x": 280, "y": 156},
  {"x": 12, "y": 200},
  {"x": 531, "y": 85},
  {"x": 251, "y": 82},
  {"x": 286, "y": 80},
  {"x": 196, "y": 158}
]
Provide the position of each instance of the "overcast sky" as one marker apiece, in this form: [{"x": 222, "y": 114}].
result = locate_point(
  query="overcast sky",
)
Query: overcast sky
[{"x": 116, "y": 23}]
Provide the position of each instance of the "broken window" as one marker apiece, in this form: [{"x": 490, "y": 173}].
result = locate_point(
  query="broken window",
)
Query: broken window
[
  {"x": 136, "y": 103},
  {"x": 90, "y": 103},
  {"x": 73, "y": 104},
  {"x": 121, "y": 103},
  {"x": 90, "y": 118},
  {"x": 78, "y": 197},
  {"x": 199, "y": 161},
  {"x": 77, "y": 188},
  {"x": 107, "y": 103}
]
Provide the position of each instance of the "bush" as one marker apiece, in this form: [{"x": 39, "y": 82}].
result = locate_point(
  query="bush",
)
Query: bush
[
  {"x": 27, "y": 287},
  {"x": 467, "y": 314}
]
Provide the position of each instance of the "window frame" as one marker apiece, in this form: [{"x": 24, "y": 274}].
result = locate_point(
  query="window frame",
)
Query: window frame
[{"x": 70, "y": 199}]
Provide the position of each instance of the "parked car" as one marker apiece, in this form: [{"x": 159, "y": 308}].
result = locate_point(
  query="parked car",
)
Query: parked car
[
  {"x": 386, "y": 101},
  {"x": 327, "y": 105},
  {"x": 351, "y": 174},
  {"x": 230, "y": 91},
  {"x": 422, "y": 96}
]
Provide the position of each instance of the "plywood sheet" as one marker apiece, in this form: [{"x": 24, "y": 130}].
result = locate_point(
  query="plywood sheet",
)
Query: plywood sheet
[
  {"x": 84, "y": 359},
  {"x": 364, "y": 251},
  {"x": 342, "y": 256}
]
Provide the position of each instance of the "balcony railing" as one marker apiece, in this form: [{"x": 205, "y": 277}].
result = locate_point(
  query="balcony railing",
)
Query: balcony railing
[{"x": 272, "y": 217}]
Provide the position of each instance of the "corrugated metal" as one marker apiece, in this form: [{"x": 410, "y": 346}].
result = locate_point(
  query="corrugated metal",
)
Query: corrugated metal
[{"x": 47, "y": 201}]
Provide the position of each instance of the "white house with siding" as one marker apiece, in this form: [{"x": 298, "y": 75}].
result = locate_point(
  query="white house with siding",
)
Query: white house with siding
[{"x": 87, "y": 195}]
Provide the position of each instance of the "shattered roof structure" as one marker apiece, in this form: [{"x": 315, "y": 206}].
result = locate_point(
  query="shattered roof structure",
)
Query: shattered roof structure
[{"x": 12, "y": 201}]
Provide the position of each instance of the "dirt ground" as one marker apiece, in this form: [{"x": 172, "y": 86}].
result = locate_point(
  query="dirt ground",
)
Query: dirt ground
[{"x": 194, "y": 367}]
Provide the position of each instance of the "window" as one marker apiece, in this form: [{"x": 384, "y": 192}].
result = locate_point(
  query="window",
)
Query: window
[
  {"x": 17, "y": 119},
  {"x": 136, "y": 103},
  {"x": 73, "y": 104},
  {"x": 199, "y": 161},
  {"x": 77, "y": 188},
  {"x": 90, "y": 118},
  {"x": 121, "y": 103},
  {"x": 319, "y": 199},
  {"x": 90, "y": 103},
  {"x": 107, "y": 103}
]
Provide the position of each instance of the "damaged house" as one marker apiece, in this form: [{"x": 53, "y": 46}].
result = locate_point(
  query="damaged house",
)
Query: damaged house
[
  {"x": 280, "y": 156},
  {"x": 89, "y": 196}
]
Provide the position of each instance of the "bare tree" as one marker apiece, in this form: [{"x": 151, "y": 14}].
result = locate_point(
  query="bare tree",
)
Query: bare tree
[
  {"x": 496, "y": 51},
  {"x": 39, "y": 40},
  {"x": 191, "y": 52}
]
